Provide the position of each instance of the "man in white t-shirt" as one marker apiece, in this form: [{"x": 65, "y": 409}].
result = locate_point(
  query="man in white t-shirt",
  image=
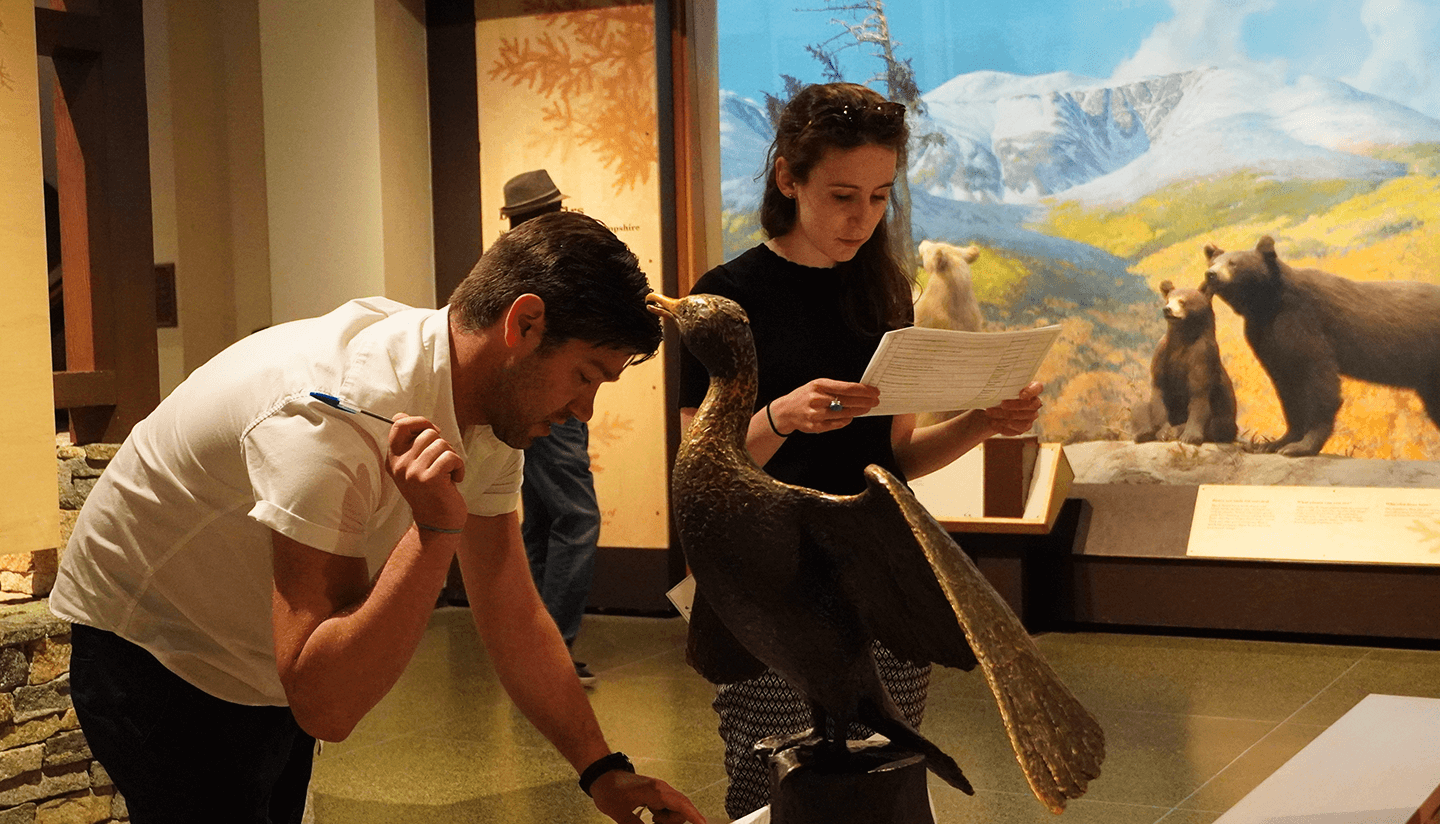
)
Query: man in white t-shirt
[{"x": 255, "y": 568}]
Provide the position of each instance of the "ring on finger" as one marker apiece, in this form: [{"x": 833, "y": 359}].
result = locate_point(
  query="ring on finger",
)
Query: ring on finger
[{"x": 835, "y": 405}]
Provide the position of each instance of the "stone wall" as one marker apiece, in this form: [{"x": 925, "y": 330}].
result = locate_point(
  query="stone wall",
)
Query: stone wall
[
  {"x": 47, "y": 774},
  {"x": 77, "y": 470}
]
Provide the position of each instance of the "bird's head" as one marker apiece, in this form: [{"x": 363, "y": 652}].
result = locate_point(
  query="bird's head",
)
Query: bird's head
[{"x": 715, "y": 329}]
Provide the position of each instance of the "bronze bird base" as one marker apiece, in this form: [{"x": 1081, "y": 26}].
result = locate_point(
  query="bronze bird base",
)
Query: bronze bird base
[{"x": 878, "y": 783}]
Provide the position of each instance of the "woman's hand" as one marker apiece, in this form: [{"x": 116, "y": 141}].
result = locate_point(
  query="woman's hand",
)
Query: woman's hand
[
  {"x": 822, "y": 405},
  {"x": 1016, "y": 415},
  {"x": 426, "y": 468}
]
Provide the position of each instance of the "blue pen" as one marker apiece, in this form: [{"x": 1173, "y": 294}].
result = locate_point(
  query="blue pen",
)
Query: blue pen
[{"x": 331, "y": 400}]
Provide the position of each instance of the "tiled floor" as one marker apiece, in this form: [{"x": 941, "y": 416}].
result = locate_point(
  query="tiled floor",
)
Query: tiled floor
[{"x": 1192, "y": 725}]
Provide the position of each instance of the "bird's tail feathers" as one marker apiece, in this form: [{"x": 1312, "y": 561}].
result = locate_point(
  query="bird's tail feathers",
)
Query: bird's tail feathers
[{"x": 903, "y": 735}]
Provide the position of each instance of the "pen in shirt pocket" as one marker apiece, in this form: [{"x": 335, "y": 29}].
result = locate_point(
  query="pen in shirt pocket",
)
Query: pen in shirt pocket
[{"x": 331, "y": 400}]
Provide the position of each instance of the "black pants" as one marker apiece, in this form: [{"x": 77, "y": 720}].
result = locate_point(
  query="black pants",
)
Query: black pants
[{"x": 177, "y": 754}]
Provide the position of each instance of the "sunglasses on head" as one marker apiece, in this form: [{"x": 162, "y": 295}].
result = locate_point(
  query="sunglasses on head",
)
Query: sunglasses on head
[{"x": 884, "y": 118}]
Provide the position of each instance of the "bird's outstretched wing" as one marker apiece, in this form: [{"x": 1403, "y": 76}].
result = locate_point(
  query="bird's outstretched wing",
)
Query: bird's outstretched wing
[
  {"x": 894, "y": 558},
  {"x": 713, "y": 651}
]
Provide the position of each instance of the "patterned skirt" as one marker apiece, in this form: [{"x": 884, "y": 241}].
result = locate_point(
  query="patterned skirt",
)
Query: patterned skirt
[{"x": 767, "y": 705}]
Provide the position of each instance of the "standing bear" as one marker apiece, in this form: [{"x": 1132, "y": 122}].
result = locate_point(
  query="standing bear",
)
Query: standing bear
[
  {"x": 1188, "y": 383},
  {"x": 948, "y": 300},
  {"x": 1309, "y": 327}
]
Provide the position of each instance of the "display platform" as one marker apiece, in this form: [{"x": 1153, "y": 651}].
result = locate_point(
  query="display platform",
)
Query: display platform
[
  {"x": 1130, "y": 567},
  {"x": 955, "y": 495},
  {"x": 1020, "y": 556},
  {"x": 1379, "y": 764},
  {"x": 1116, "y": 555}
]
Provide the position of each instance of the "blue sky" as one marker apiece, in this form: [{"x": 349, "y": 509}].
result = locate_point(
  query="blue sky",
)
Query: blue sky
[{"x": 1391, "y": 46}]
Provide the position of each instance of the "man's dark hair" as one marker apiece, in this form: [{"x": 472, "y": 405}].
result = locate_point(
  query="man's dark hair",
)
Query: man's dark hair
[{"x": 589, "y": 279}]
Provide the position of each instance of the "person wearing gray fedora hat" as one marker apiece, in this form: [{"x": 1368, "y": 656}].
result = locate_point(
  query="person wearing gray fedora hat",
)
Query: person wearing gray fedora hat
[
  {"x": 529, "y": 194},
  {"x": 561, "y": 525}
]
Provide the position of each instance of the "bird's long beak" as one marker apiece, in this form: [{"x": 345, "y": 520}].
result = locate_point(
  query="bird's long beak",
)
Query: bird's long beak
[{"x": 661, "y": 305}]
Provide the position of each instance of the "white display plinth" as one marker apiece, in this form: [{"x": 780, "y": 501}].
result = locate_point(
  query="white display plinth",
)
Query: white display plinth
[
  {"x": 954, "y": 494},
  {"x": 1379, "y": 764}
]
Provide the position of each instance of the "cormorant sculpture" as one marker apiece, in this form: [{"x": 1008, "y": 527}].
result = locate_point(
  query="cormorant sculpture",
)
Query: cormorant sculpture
[{"x": 803, "y": 582}]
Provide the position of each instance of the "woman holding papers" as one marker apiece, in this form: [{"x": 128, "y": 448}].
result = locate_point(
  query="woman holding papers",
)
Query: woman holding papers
[{"x": 820, "y": 293}]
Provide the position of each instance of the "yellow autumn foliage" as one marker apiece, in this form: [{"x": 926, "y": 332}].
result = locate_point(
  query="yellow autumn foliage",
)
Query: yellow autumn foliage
[
  {"x": 995, "y": 275},
  {"x": 1122, "y": 235}
]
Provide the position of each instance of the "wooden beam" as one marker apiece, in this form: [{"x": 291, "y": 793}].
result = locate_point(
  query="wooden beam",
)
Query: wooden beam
[
  {"x": 131, "y": 245},
  {"x": 454, "y": 141},
  {"x": 75, "y": 104},
  {"x": 107, "y": 256},
  {"x": 68, "y": 35},
  {"x": 85, "y": 389}
]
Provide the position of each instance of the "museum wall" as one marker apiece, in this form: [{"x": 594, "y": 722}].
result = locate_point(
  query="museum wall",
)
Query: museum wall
[
  {"x": 29, "y": 514},
  {"x": 591, "y": 122},
  {"x": 290, "y": 163},
  {"x": 405, "y": 212},
  {"x": 289, "y": 173},
  {"x": 291, "y": 154},
  {"x": 342, "y": 168},
  {"x": 207, "y": 164}
]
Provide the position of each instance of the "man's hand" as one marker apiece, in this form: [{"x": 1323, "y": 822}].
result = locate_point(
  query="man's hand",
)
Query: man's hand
[
  {"x": 426, "y": 468},
  {"x": 619, "y": 795}
]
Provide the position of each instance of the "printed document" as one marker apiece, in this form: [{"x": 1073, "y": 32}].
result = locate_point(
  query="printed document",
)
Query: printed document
[{"x": 939, "y": 370}]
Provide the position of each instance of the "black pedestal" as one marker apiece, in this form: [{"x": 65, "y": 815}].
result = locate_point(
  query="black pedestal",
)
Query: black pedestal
[{"x": 878, "y": 784}]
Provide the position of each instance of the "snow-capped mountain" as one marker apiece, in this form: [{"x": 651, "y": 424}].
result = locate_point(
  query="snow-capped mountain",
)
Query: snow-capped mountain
[{"x": 996, "y": 137}]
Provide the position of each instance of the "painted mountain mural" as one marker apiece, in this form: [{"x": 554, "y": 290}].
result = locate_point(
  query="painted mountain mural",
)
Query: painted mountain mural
[
  {"x": 1014, "y": 139},
  {"x": 1085, "y": 195}
]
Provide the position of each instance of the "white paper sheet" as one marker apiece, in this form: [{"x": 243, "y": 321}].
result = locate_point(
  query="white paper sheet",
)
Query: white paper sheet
[
  {"x": 937, "y": 370},
  {"x": 682, "y": 595}
]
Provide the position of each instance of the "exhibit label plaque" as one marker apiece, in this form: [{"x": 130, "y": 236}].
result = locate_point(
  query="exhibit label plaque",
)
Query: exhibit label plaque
[{"x": 1317, "y": 524}]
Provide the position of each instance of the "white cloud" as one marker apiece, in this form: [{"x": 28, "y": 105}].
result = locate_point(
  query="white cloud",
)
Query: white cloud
[
  {"x": 1404, "y": 61},
  {"x": 1202, "y": 33}
]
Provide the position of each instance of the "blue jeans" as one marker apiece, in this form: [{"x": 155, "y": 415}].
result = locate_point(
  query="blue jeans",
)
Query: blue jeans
[
  {"x": 178, "y": 754},
  {"x": 562, "y": 522}
]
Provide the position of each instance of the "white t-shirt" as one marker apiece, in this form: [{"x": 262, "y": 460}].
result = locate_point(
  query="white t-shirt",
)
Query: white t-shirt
[{"x": 172, "y": 550}]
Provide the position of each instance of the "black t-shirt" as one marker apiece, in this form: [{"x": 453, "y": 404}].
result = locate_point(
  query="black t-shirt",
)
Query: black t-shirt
[{"x": 800, "y": 335}]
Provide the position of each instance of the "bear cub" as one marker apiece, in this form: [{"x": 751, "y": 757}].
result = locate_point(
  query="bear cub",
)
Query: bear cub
[{"x": 1189, "y": 385}]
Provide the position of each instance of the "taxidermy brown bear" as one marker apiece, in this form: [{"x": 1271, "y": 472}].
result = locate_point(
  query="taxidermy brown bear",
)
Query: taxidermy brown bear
[
  {"x": 1309, "y": 327},
  {"x": 1188, "y": 383}
]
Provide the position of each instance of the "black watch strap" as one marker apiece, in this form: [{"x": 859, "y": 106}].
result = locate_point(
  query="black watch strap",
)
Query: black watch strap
[{"x": 613, "y": 761}]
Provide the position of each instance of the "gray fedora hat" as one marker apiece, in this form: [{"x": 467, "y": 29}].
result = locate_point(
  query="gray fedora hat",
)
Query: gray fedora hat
[{"x": 529, "y": 191}]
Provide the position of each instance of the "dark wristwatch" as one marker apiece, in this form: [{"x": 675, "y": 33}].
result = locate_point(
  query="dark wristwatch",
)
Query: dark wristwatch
[{"x": 613, "y": 761}]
